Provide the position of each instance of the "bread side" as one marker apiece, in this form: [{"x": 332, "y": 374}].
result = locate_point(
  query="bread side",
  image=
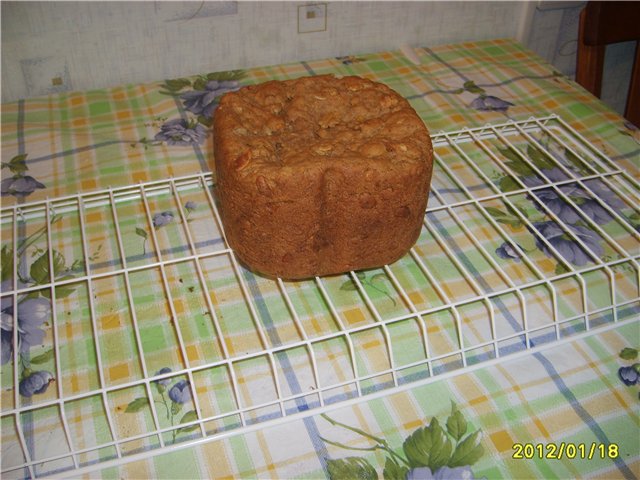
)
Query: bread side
[{"x": 320, "y": 175}]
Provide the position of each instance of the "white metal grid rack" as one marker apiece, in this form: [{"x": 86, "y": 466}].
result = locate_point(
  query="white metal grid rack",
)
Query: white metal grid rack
[{"x": 530, "y": 240}]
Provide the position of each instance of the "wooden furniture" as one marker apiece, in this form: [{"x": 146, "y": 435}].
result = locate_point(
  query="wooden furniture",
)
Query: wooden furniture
[{"x": 601, "y": 24}]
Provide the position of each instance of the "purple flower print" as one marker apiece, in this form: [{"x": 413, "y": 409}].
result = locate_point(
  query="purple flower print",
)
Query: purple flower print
[
  {"x": 5, "y": 286},
  {"x": 6, "y": 346},
  {"x": 203, "y": 102},
  {"x": 508, "y": 252},
  {"x": 162, "y": 219},
  {"x": 443, "y": 473},
  {"x": 556, "y": 204},
  {"x": 190, "y": 207},
  {"x": 489, "y": 103},
  {"x": 180, "y": 392},
  {"x": 19, "y": 186},
  {"x": 566, "y": 245},
  {"x": 349, "y": 60},
  {"x": 182, "y": 132},
  {"x": 593, "y": 209},
  {"x": 7, "y": 334},
  {"x": 165, "y": 381},
  {"x": 629, "y": 375},
  {"x": 581, "y": 197},
  {"x": 553, "y": 175},
  {"x": 32, "y": 313},
  {"x": 36, "y": 383},
  {"x": 421, "y": 473},
  {"x": 583, "y": 200}
]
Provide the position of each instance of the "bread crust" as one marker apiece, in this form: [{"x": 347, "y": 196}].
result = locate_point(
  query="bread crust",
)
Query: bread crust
[{"x": 320, "y": 175}]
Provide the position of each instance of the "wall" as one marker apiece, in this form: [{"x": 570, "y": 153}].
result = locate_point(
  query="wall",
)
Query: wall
[
  {"x": 554, "y": 35},
  {"x": 55, "y": 46}
]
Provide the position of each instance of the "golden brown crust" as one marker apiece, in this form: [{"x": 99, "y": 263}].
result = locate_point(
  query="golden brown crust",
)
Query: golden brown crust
[{"x": 320, "y": 175}]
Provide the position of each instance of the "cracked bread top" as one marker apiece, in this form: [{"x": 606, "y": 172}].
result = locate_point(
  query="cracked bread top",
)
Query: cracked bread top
[{"x": 313, "y": 120}]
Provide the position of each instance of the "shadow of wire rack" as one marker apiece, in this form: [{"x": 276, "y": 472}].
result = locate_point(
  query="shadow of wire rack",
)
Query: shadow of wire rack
[{"x": 156, "y": 338}]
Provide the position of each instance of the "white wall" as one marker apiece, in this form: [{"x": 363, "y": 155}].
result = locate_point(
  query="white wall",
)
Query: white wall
[
  {"x": 88, "y": 45},
  {"x": 554, "y": 36}
]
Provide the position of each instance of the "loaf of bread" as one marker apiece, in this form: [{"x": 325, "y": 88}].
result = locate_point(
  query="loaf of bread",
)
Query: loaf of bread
[{"x": 320, "y": 175}]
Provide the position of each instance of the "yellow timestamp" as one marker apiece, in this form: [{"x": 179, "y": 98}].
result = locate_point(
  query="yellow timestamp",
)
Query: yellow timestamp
[{"x": 567, "y": 450}]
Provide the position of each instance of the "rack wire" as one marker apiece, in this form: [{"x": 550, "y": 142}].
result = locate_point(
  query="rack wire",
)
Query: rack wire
[{"x": 155, "y": 338}]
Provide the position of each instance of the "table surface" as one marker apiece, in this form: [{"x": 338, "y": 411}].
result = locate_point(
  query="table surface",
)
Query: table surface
[{"x": 563, "y": 406}]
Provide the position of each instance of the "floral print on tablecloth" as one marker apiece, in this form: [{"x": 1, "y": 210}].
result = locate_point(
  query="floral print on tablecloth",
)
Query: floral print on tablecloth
[
  {"x": 199, "y": 98},
  {"x": 435, "y": 451},
  {"x": 573, "y": 205}
]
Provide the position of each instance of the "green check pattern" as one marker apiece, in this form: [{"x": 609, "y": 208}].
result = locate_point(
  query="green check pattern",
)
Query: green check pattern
[{"x": 144, "y": 282}]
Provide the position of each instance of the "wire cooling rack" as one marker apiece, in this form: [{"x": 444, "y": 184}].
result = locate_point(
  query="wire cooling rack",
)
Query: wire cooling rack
[{"x": 140, "y": 332}]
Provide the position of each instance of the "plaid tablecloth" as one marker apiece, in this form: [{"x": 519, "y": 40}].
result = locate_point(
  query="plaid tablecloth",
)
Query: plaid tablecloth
[{"x": 143, "y": 286}]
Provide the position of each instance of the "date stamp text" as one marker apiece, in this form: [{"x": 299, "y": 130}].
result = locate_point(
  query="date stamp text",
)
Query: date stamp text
[{"x": 568, "y": 450}]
